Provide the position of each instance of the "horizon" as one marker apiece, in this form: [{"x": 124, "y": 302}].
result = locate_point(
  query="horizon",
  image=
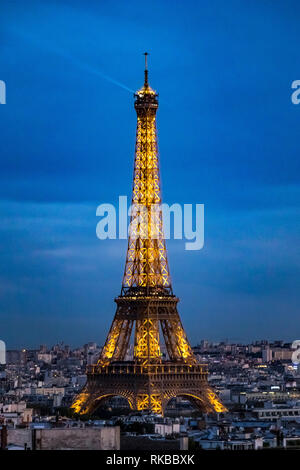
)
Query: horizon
[{"x": 63, "y": 343}]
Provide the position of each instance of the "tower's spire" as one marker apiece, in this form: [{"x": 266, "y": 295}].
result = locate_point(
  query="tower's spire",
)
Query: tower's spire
[
  {"x": 146, "y": 266},
  {"x": 146, "y": 84}
]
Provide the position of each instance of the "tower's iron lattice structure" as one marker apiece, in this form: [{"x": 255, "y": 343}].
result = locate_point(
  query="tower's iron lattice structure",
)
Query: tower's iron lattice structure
[{"x": 147, "y": 305}]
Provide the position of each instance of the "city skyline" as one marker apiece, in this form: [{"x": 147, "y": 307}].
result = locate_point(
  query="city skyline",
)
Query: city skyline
[
  {"x": 258, "y": 384},
  {"x": 62, "y": 343},
  {"x": 227, "y": 138}
]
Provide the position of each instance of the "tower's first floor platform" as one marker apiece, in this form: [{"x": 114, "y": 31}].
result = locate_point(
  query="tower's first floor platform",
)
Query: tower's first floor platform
[{"x": 147, "y": 387}]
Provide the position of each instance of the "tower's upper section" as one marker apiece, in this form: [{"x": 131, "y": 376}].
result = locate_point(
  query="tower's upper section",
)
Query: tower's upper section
[
  {"x": 146, "y": 269},
  {"x": 146, "y": 99}
]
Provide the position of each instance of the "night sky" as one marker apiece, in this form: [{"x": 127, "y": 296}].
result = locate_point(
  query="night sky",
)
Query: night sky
[{"x": 228, "y": 138}]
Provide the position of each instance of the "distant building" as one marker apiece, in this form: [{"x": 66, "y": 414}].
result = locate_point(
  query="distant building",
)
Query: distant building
[
  {"x": 44, "y": 357},
  {"x": 272, "y": 414},
  {"x": 267, "y": 354},
  {"x": 167, "y": 428},
  {"x": 282, "y": 354},
  {"x": 41, "y": 438},
  {"x": 16, "y": 356}
]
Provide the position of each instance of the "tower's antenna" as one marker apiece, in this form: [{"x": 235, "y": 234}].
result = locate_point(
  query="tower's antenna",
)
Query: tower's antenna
[{"x": 146, "y": 68}]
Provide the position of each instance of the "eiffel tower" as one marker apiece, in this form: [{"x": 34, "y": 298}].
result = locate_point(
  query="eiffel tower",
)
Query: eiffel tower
[{"x": 147, "y": 307}]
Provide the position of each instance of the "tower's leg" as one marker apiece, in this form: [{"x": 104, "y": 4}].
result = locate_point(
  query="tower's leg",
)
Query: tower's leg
[
  {"x": 206, "y": 401},
  {"x": 177, "y": 344},
  {"x": 84, "y": 402},
  {"x": 87, "y": 402},
  {"x": 117, "y": 341}
]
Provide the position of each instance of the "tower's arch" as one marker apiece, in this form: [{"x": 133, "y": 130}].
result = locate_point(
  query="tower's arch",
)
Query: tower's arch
[
  {"x": 88, "y": 401},
  {"x": 206, "y": 402},
  {"x": 102, "y": 398},
  {"x": 196, "y": 401}
]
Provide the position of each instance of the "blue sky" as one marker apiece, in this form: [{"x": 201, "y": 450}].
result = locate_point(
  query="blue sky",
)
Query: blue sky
[{"x": 228, "y": 138}]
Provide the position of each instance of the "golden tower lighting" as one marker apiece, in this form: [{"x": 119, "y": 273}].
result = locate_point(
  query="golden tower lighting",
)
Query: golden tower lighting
[{"x": 147, "y": 306}]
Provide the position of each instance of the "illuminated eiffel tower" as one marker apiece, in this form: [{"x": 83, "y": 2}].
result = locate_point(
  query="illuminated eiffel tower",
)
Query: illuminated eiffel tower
[{"x": 147, "y": 307}]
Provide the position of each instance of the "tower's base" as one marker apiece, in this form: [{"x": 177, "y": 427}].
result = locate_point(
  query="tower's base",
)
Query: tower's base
[{"x": 147, "y": 387}]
